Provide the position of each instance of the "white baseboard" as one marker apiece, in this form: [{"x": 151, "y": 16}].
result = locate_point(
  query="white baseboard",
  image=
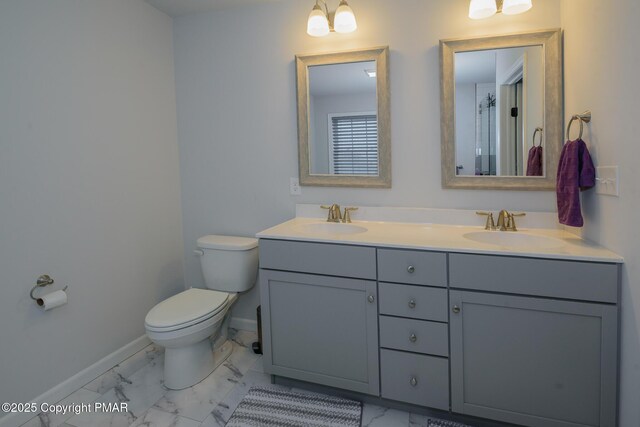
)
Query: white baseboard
[
  {"x": 244, "y": 324},
  {"x": 77, "y": 381}
]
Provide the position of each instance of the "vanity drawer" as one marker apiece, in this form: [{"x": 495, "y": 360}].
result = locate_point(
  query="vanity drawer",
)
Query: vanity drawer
[
  {"x": 538, "y": 277},
  {"x": 414, "y": 267},
  {"x": 418, "y": 336},
  {"x": 415, "y": 378},
  {"x": 418, "y": 302},
  {"x": 318, "y": 258}
]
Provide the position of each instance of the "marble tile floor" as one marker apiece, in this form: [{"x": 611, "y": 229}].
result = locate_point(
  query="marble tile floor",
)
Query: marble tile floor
[{"x": 210, "y": 403}]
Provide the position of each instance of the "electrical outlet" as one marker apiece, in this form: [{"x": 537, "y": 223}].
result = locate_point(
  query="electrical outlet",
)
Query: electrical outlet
[
  {"x": 294, "y": 187},
  {"x": 607, "y": 178}
]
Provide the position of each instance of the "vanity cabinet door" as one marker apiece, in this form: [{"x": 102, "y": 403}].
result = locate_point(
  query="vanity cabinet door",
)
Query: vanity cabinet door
[
  {"x": 321, "y": 329},
  {"x": 531, "y": 361}
]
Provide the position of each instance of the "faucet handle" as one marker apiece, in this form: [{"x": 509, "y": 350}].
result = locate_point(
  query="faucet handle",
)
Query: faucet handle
[
  {"x": 330, "y": 213},
  {"x": 512, "y": 220},
  {"x": 490, "y": 224},
  {"x": 347, "y": 217}
]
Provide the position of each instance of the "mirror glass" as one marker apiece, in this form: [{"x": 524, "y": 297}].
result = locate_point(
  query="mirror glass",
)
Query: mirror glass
[
  {"x": 344, "y": 129},
  {"x": 499, "y": 104},
  {"x": 343, "y": 119}
]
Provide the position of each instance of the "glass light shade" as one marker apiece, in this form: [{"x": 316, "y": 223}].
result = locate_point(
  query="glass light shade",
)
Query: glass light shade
[
  {"x": 514, "y": 7},
  {"x": 317, "y": 24},
  {"x": 480, "y": 9},
  {"x": 344, "y": 20}
]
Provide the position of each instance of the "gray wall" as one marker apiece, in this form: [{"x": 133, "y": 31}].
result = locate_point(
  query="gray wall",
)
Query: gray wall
[
  {"x": 89, "y": 182},
  {"x": 601, "y": 64},
  {"x": 466, "y": 128},
  {"x": 237, "y": 131}
]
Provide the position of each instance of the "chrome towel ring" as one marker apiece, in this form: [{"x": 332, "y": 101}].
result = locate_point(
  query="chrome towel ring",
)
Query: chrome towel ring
[
  {"x": 541, "y": 136},
  {"x": 582, "y": 118}
]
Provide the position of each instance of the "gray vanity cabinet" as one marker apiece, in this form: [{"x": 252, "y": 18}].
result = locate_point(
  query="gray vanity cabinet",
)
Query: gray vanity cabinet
[
  {"x": 527, "y": 341},
  {"x": 414, "y": 335},
  {"x": 533, "y": 361},
  {"x": 320, "y": 328}
]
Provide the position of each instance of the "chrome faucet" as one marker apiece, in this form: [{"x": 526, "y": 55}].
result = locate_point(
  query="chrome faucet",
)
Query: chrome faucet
[{"x": 334, "y": 212}]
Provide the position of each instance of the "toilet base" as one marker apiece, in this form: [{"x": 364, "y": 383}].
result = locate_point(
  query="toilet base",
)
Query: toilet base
[
  {"x": 187, "y": 366},
  {"x": 191, "y": 354}
]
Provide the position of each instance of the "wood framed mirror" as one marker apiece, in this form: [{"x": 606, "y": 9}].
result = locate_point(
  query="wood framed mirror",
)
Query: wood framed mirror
[
  {"x": 501, "y": 100},
  {"x": 344, "y": 130}
]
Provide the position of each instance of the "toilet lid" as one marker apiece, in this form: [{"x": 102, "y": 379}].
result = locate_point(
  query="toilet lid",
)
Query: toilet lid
[{"x": 190, "y": 306}]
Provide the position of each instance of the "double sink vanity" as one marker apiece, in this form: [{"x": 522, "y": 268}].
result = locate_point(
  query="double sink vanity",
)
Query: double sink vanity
[
  {"x": 514, "y": 324},
  {"x": 518, "y": 327}
]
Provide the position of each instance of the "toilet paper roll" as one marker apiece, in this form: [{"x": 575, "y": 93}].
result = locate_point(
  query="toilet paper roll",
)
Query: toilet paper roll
[{"x": 53, "y": 300}]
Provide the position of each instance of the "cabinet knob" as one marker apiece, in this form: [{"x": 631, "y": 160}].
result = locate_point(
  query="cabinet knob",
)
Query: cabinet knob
[
  {"x": 456, "y": 309},
  {"x": 371, "y": 298},
  {"x": 413, "y": 381},
  {"x": 412, "y": 303},
  {"x": 411, "y": 269},
  {"x": 413, "y": 338}
]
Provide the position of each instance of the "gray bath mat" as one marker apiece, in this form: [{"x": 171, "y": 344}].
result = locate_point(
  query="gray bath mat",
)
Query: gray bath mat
[
  {"x": 443, "y": 423},
  {"x": 273, "y": 406}
]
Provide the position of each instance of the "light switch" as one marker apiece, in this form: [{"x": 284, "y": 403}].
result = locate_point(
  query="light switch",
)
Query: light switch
[
  {"x": 607, "y": 178},
  {"x": 294, "y": 187}
]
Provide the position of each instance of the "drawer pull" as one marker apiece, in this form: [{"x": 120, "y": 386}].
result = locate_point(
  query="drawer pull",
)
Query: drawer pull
[
  {"x": 413, "y": 381},
  {"x": 411, "y": 269},
  {"x": 412, "y": 303},
  {"x": 371, "y": 299},
  {"x": 413, "y": 338},
  {"x": 456, "y": 309}
]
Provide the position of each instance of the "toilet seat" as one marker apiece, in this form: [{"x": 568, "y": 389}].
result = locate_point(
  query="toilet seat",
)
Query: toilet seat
[{"x": 185, "y": 309}]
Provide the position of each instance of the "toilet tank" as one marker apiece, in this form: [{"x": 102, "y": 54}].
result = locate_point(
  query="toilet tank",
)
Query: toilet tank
[{"x": 229, "y": 263}]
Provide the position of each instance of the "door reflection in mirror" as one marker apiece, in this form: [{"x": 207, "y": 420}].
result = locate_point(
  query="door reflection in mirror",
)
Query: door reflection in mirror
[{"x": 499, "y": 103}]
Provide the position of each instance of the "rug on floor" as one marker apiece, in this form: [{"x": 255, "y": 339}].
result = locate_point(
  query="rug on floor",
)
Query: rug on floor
[
  {"x": 443, "y": 423},
  {"x": 275, "y": 406}
]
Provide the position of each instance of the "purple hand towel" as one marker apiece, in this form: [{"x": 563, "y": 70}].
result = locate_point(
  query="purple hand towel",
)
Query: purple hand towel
[
  {"x": 534, "y": 162},
  {"x": 575, "y": 172}
]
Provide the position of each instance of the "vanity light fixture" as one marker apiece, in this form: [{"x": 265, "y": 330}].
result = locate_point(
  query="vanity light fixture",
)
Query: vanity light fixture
[
  {"x": 320, "y": 22},
  {"x": 480, "y": 9},
  {"x": 516, "y": 7},
  {"x": 371, "y": 73}
]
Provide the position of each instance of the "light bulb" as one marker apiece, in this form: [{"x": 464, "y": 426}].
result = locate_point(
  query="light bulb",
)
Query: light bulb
[
  {"x": 317, "y": 24},
  {"x": 514, "y": 7},
  {"x": 480, "y": 9},
  {"x": 344, "y": 20}
]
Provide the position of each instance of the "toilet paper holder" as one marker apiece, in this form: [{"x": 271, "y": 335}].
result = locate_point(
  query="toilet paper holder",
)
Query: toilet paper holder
[{"x": 44, "y": 280}]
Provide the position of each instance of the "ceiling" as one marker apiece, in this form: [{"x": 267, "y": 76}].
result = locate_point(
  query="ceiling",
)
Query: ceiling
[
  {"x": 341, "y": 79},
  {"x": 184, "y": 7},
  {"x": 476, "y": 67}
]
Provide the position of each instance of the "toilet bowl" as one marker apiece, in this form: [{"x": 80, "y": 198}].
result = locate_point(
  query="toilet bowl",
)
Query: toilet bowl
[{"x": 193, "y": 325}]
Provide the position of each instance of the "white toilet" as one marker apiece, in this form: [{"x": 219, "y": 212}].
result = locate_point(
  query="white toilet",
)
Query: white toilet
[{"x": 184, "y": 323}]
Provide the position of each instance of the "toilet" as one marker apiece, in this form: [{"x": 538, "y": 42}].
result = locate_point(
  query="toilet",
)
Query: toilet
[{"x": 193, "y": 325}]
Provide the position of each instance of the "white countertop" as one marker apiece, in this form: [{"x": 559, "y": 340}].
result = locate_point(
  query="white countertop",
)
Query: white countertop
[{"x": 447, "y": 238}]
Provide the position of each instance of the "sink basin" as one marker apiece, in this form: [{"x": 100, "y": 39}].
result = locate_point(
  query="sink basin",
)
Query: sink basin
[
  {"x": 514, "y": 240},
  {"x": 332, "y": 228}
]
